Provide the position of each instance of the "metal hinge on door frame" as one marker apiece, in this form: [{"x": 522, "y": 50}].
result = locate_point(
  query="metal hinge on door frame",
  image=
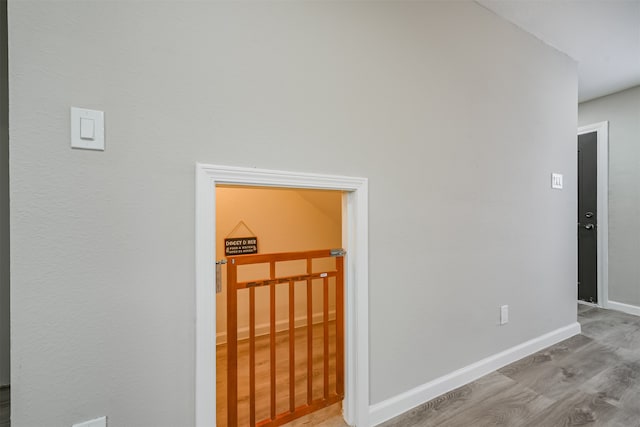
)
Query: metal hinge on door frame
[
  {"x": 338, "y": 252},
  {"x": 219, "y": 264}
]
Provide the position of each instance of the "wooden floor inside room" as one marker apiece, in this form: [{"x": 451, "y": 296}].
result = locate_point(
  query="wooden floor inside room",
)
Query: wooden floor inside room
[
  {"x": 327, "y": 417},
  {"x": 592, "y": 379}
]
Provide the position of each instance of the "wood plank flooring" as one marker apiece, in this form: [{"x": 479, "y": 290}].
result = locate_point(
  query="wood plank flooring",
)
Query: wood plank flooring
[
  {"x": 592, "y": 379},
  {"x": 263, "y": 386}
]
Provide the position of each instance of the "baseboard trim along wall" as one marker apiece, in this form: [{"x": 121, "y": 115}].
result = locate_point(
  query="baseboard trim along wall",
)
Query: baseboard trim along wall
[
  {"x": 626, "y": 308},
  {"x": 281, "y": 325},
  {"x": 385, "y": 410}
]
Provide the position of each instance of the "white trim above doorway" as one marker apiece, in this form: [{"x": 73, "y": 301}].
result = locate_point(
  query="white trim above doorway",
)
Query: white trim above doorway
[
  {"x": 355, "y": 241},
  {"x": 602, "y": 130}
]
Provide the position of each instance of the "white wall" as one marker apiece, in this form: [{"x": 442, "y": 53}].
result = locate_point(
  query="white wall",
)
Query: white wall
[
  {"x": 456, "y": 117},
  {"x": 4, "y": 201},
  {"x": 622, "y": 110}
]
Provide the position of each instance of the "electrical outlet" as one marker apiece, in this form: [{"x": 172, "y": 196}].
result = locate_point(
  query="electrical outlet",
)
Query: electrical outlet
[
  {"x": 98, "y": 422},
  {"x": 504, "y": 314}
]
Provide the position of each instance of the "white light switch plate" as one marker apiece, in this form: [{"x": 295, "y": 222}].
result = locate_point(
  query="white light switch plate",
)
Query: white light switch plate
[
  {"x": 504, "y": 314},
  {"x": 98, "y": 422},
  {"x": 87, "y": 129},
  {"x": 556, "y": 181}
]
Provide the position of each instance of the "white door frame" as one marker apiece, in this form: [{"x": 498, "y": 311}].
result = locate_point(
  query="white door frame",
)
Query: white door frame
[
  {"x": 602, "y": 130},
  {"x": 355, "y": 241}
]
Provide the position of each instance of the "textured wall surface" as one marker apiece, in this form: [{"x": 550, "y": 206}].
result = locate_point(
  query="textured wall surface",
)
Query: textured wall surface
[
  {"x": 456, "y": 117},
  {"x": 622, "y": 110}
]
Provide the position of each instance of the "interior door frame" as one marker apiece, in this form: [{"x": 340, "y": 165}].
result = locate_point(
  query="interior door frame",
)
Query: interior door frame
[
  {"x": 602, "y": 134},
  {"x": 355, "y": 241}
]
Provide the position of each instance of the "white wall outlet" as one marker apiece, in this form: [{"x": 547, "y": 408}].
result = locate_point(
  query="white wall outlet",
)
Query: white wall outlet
[
  {"x": 98, "y": 422},
  {"x": 556, "y": 181},
  {"x": 504, "y": 314}
]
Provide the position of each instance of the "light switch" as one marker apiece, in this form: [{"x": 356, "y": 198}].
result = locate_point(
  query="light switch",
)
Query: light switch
[
  {"x": 504, "y": 314},
  {"x": 87, "y": 129},
  {"x": 556, "y": 181}
]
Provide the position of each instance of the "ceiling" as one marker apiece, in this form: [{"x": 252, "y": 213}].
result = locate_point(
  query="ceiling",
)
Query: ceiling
[{"x": 603, "y": 36}]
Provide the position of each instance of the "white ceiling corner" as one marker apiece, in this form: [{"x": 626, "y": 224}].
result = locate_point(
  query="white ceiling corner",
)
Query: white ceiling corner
[{"x": 603, "y": 36}]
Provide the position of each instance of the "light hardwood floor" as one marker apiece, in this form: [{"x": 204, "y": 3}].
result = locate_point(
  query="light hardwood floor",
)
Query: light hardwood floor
[
  {"x": 591, "y": 379},
  {"x": 263, "y": 386}
]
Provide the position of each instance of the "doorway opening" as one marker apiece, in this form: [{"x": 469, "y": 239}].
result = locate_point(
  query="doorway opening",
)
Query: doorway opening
[
  {"x": 354, "y": 241},
  {"x": 593, "y": 220},
  {"x": 280, "y": 304}
]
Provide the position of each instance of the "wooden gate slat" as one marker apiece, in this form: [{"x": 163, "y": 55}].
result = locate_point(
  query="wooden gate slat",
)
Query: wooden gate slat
[
  {"x": 252, "y": 357},
  {"x": 272, "y": 344},
  {"x": 292, "y": 349},
  {"x": 309, "y": 333},
  {"x": 326, "y": 335}
]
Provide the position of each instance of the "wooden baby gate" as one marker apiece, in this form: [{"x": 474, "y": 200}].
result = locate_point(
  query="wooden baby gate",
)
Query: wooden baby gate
[{"x": 234, "y": 287}]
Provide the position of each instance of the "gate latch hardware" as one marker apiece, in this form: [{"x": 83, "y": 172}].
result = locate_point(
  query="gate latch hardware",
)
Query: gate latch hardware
[
  {"x": 338, "y": 252},
  {"x": 219, "y": 275}
]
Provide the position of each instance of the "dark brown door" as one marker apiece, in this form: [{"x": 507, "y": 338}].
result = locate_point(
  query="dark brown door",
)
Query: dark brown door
[{"x": 587, "y": 217}]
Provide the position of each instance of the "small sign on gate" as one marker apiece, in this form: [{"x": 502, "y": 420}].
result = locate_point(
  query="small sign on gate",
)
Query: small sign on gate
[{"x": 241, "y": 246}]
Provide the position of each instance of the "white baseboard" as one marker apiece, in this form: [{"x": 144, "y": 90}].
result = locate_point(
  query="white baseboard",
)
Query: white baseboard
[
  {"x": 281, "y": 325},
  {"x": 385, "y": 410},
  {"x": 590, "y": 304},
  {"x": 626, "y": 308}
]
